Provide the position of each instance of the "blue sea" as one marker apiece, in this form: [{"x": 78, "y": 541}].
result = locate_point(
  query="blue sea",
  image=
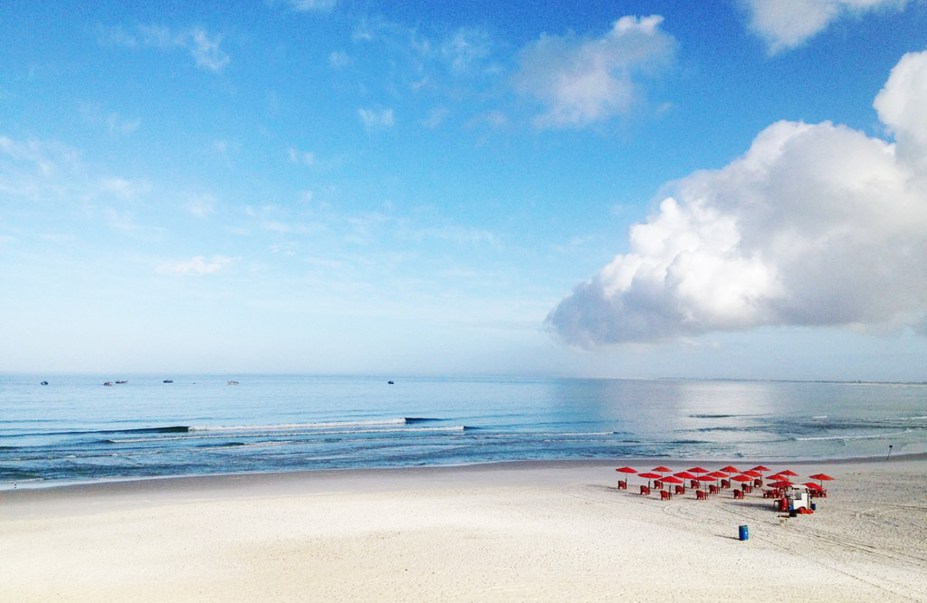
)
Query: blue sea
[{"x": 76, "y": 429}]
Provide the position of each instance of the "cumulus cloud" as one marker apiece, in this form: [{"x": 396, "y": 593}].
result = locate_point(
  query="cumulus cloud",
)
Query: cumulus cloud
[
  {"x": 816, "y": 224},
  {"x": 195, "y": 266},
  {"x": 581, "y": 80},
  {"x": 785, "y": 25}
]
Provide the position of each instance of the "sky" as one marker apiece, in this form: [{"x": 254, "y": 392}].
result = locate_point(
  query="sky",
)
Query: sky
[{"x": 628, "y": 189}]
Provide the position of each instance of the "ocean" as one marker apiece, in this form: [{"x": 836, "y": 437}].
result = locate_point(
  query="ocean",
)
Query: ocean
[{"x": 76, "y": 429}]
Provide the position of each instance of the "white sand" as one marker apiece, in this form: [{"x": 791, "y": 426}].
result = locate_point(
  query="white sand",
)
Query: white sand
[{"x": 519, "y": 532}]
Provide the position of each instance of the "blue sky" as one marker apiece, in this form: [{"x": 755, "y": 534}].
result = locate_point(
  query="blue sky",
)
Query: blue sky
[{"x": 624, "y": 189}]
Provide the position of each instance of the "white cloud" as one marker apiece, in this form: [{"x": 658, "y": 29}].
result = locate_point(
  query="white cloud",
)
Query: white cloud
[
  {"x": 582, "y": 81},
  {"x": 902, "y": 107},
  {"x": 205, "y": 50},
  {"x": 785, "y": 24},
  {"x": 305, "y": 6},
  {"x": 339, "y": 59},
  {"x": 817, "y": 224},
  {"x": 118, "y": 125},
  {"x": 436, "y": 117},
  {"x": 195, "y": 266},
  {"x": 203, "y": 46},
  {"x": 301, "y": 157},
  {"x": 202, "y": 205},
  {"x": 47, "y": 171},
  {"x": 376, "y": 119},
  {"x": 465, "y": 49}
]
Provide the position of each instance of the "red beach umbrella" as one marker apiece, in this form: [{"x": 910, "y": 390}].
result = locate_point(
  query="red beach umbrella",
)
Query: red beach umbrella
[
  {"x": 788, "y": 472},
  {"x": 821, "y": 477},
  {"x": 717, "y": 476},
  {"x": 730, "y": 469},
  {"x": 761, "y": 468},
  {"x": 661, "y": 469},
  {"x": 704, "y": 479},
  {"x": 812, "y": 486},
  {"x": 752, "y": 473},
  {"x": 782, "y": 483},
  {"x": 671, "y": 479},
  {"x": 649, "y": 476},
  {"x": 627, "y": 471},
  {"x": 685, "y": 475},
  {"x": 742, "y": 478},
  {"x": 697, "y": 470}
]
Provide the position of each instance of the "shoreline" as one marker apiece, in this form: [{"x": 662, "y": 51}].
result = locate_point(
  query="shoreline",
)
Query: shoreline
[
  {"x": 156, "y": 481},
  {"x": 526, "y": 531}
]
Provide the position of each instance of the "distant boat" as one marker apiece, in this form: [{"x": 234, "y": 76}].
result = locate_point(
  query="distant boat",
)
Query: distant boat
[
  {"x": 168, "y": 381},
  {"x": 121, "y": 382},
  {"x": 45, "y": 383},
  {"x": 108, "y": 384},
  {"x": 390, "y": 383},
  {"x": 232, "y": 382}
]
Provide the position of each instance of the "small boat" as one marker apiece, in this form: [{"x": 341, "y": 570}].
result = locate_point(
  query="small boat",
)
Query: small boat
[
  {"x": 108, "y": 384},
  {"x": 44, "y": 383},
  {"x": 232, "y": 382},
  {"x": 390, "y": 383},
  {"x": 121, "y": 382},
  {"x": 168, "y": 381}
]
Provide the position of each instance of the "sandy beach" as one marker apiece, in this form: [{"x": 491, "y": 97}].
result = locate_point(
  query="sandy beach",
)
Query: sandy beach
[{"x": 510, "y": 532}]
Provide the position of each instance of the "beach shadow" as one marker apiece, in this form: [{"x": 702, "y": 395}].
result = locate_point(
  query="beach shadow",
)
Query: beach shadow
[{"x": 729, "y": 537}]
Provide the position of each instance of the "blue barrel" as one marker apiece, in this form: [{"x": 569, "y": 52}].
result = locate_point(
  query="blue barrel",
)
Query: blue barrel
[{"x": 744, "y": 533}]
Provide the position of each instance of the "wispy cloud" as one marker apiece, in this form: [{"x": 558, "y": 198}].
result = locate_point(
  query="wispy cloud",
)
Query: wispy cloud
[
  {"x": 465, "y": 50},
  {"x": 195, "y": 266},
  {"x": 301, "y": 157},
  {"x": 585, "y": 80},
  {"x": 204, "y": 47},
  {"x": 817, "y": 224},
  {"x": 202, "y": 205},
  {"x": 339, "y": 59},
  {"x": 47, "y": 171},
  {"x": 306, "y": 6},
  {"x": 376, "y": 119},
  {"x": 786, "y": 25},
  {"x": 115, "y": 124},
  {"x": 435, "y": 117}
]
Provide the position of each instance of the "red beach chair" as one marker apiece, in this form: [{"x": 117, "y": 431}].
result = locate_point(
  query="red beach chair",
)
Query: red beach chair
[
  {"x": 725, "y": 484},
  {"x": 739, "y": 494},
  {"x": 645, "y": 490},
  {"x": 700, "y": 495},
  {"x": 693, "y": 483},
  {"x": 757, "y": 483},
  {"x": 680, "y": 489},
  {"x": 665, "y": 495},
  {"x": 658, "y": 484},
  {"x": 622, "y": 485},
  {"x": 712, "y": 489}
]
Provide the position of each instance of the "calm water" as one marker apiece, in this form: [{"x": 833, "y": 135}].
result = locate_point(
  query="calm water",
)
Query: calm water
[{"x": 77, "y": 429}]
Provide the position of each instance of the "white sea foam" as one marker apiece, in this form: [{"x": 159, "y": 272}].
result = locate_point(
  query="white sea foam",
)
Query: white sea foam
[{"x": 299, "y": 426}]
